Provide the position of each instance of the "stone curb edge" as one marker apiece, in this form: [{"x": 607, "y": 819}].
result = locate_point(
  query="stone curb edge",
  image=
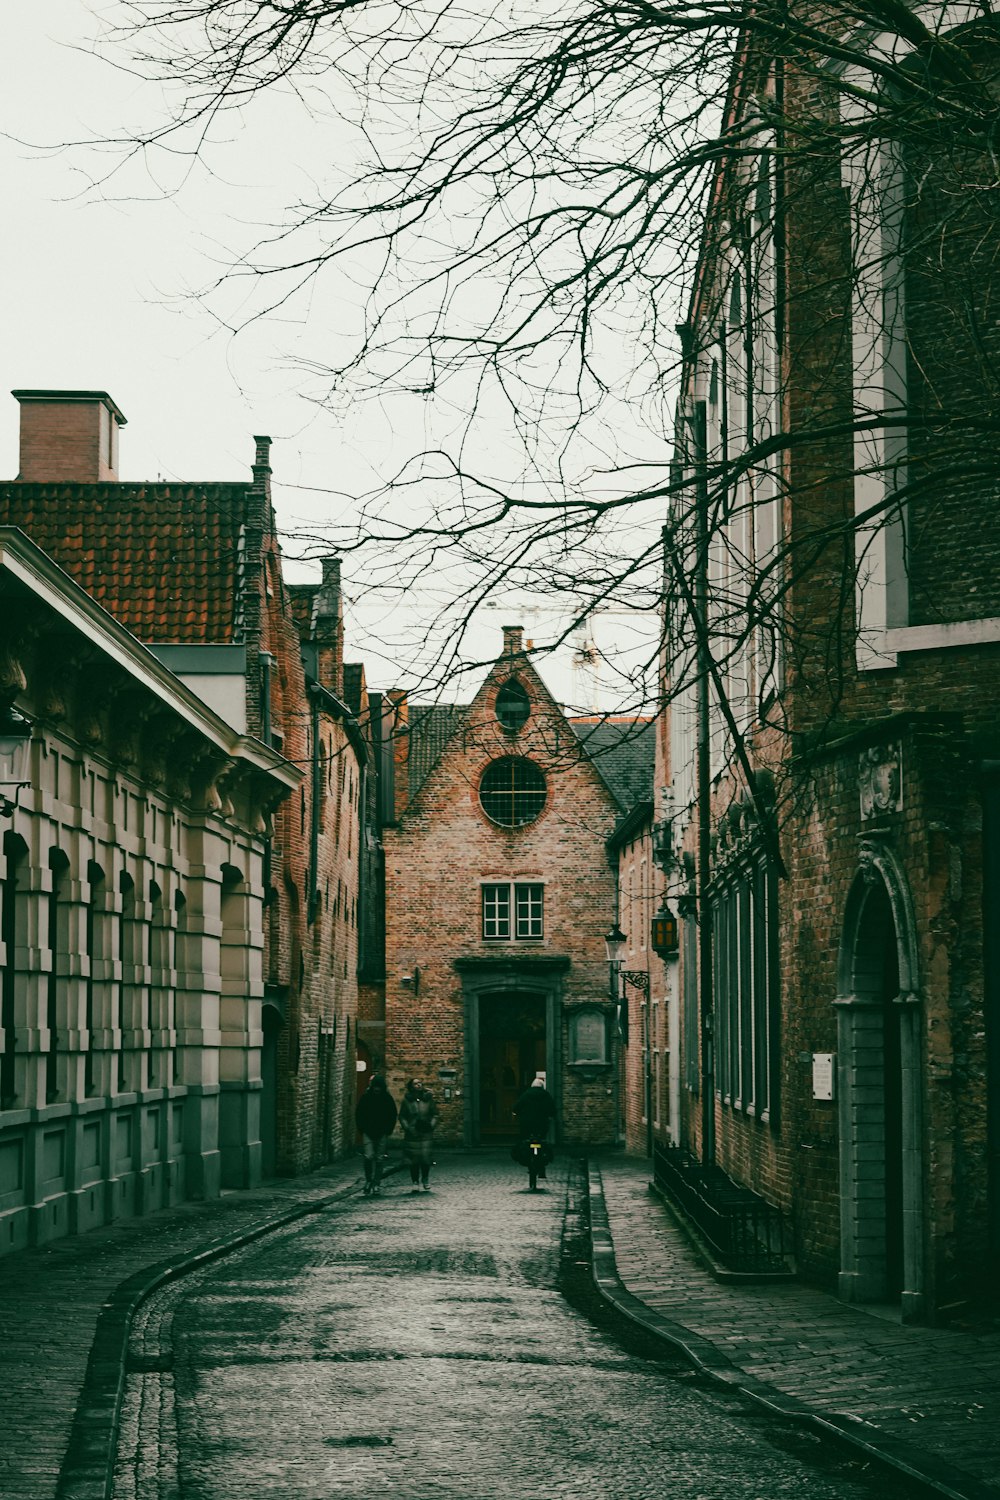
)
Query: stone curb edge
[
  {"x": 934, "y": 1474},
  {"x": 87, "y": 1470}
]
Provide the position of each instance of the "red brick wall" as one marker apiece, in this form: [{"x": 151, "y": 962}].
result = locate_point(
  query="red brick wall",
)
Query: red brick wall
[{"x": 436, "y": 859}]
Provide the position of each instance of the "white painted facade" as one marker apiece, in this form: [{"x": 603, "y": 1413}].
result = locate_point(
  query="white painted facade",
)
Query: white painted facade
[{"x": 131, "y": 923}]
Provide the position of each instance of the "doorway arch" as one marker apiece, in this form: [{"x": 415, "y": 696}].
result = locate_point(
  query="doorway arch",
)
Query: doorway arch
[
  {"x": 522, "y": 1000},
  {"x": 879, "y": 1051}
]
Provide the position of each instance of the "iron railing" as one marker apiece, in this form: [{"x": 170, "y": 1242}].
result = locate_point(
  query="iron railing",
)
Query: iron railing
[{"x": 746, "y": 1232}]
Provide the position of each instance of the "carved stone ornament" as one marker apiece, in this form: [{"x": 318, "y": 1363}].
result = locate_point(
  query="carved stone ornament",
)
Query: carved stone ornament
[
  {"x": 866, "y": 863},
  {"x": 880, "y": 780},
  {"x": 12, "y": 677},
  {"x": 210, "y": 777}
]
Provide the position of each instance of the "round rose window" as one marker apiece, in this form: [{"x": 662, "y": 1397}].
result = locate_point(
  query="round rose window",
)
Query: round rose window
[{"x": 512, "y": 791}]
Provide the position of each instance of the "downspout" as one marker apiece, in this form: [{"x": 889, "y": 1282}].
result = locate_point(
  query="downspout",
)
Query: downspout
[
  {"x": 362, "y": 862},
  {"x": 703, "y": 771},
  {"x": 313, "y": 903},
  {"x": 268, "y": 661}
]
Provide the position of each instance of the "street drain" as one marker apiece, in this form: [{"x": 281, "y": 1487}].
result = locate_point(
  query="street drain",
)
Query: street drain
[
  {"x": 148, "y": 1364},
  {"x": 359, "y": 1440}
]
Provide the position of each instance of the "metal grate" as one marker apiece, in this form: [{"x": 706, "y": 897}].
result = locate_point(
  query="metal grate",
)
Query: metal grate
[
  {"x": 512, "y": 792},
  {"x": 746, "y": 1232}
]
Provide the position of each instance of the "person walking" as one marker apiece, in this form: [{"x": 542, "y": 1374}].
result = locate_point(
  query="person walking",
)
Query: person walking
[
  {"x": 535, "y": 1113},
  {"x": 376, "y": 1119},
  {"x": 417, "y": 1119}
]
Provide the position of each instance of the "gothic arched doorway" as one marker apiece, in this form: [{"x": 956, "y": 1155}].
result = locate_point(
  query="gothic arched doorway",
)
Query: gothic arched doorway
[{"x": 879, "y": 1072}]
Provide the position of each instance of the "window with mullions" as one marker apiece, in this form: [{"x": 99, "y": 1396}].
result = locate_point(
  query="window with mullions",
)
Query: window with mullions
[
  {"x": 512, "y": 791},
  {"x": 745, "y": 968},
  {"x": 512, "y": 911}
]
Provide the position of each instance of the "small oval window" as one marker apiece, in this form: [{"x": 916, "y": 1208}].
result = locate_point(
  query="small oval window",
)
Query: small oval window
[{"x": 513, "y": 705}]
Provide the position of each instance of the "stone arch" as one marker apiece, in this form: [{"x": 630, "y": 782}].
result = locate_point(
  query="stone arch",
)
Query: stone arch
[
  {"x": 487, "y": 986},
  {"x": 879, "y": 1051}
]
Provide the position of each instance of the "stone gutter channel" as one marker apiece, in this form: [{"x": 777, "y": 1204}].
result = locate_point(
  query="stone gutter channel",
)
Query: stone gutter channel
[{"x": 87, "y": 1471}]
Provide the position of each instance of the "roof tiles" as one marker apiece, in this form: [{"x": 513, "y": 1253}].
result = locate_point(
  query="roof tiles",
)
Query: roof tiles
[{"x": 165, "y": 559}]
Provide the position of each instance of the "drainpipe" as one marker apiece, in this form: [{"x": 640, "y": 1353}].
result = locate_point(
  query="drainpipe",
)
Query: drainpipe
[
  {"x": 362, "y": 864},
  {"x": 313, "y": 905},
  {"x": 267, "y": 661},
  {"x": 703, "y": 771}
]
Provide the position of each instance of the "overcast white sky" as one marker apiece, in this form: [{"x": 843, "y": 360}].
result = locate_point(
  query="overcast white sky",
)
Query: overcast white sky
[{"x": 94, "y": 288}]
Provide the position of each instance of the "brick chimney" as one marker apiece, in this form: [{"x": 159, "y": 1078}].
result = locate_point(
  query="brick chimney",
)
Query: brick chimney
[
  {"x": 513, "y": 636},
  {"x": 400, "y": 711},
  {"x": 68, "y": 436},
  {"x": 328, "y": 627}
]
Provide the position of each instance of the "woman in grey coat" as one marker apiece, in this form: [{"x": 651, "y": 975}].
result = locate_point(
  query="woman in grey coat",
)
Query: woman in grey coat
[{"x": 417, "y": 1119}]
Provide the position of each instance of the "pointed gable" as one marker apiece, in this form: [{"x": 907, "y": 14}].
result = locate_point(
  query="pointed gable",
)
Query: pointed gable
[{"x": 494, "y": 727}]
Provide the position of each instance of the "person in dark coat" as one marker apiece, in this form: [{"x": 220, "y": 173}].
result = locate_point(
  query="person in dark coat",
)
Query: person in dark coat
[
  {"x": 376, "y": 1119},
  {"x": 535, "y": 1113},
  {"x": 417, "y": 1119}
]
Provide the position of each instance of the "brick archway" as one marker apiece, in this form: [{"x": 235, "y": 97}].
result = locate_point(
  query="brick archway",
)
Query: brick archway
[{"x": 879, "y": 1084}]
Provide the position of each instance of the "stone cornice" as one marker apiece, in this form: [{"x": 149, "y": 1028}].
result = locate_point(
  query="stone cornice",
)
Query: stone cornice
[{"x": 512, "y": 963}]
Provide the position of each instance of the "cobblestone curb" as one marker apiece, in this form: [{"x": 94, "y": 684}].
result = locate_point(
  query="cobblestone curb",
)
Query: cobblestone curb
[
  {"x": 87, "y": 1471},
  {"x": 933, "y": 1474}
]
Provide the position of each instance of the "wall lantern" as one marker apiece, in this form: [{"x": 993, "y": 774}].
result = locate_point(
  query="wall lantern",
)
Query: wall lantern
[
  {"x": 15, "y": 745},
  {"x": 614, "y": 942},
  {"x": 663, "y": 932}
]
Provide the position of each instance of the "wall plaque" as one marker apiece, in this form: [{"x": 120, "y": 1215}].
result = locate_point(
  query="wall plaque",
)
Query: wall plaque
[{"x": 823, "y": 1075}]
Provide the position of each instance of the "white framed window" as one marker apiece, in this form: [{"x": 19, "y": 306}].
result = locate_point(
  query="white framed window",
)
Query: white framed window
[
  {"x": 513, "y": 910},
  {"x": 496, "y": 911}
]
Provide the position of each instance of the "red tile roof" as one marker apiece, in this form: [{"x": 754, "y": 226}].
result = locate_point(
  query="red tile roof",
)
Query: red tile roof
[{"x": 165, "y": 559}]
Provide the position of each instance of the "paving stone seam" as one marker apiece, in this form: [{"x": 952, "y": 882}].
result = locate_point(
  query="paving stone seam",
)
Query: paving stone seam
[
  {"x": 926, "y": 1469},
  {"x": 87, "y": 1470}
]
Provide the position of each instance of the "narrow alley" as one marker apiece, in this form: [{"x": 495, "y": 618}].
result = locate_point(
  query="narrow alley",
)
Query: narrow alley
[{"x": 446, "y": 1344}]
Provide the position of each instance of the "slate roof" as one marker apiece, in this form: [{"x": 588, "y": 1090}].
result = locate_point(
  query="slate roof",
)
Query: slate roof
[
  {"x": 623, "y": 751},
  {"x": 431, "y": 727},
  {"x": 164, "y": 559}
]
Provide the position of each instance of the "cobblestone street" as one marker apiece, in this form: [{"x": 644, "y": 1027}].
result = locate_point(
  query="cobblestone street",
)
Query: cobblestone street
[{"x": 420, "y": 1345}]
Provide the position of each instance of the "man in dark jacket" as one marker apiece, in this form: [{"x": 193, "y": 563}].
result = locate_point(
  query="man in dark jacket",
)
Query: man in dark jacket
[
  {"x": 535, "y": 1111},
  {"x": 376, "y": 1119}
]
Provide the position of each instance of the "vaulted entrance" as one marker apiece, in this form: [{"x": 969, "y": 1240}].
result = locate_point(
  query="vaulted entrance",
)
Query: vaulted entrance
[
  {"x": 879, "y": 1072},
  {"x": 513, "y": 1030},
  {"x": 511, "y": 1051}
]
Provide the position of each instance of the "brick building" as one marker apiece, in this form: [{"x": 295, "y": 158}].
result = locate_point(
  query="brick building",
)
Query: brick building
[
  {"x": 131, "y": 921},
  {"x": 838, "y": 884},
  {"x": 194, "y": 571},
  {"x": 498, "y": 895}
]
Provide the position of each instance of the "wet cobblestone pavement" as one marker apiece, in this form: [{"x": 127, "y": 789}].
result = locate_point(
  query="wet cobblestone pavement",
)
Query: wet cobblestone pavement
[{"x": 421, "y": 1346}]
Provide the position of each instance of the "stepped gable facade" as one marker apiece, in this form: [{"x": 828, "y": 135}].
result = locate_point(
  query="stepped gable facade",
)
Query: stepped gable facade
[
  {"x": 194, "y": 571},
  {"x": 499, "y": 894}
]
